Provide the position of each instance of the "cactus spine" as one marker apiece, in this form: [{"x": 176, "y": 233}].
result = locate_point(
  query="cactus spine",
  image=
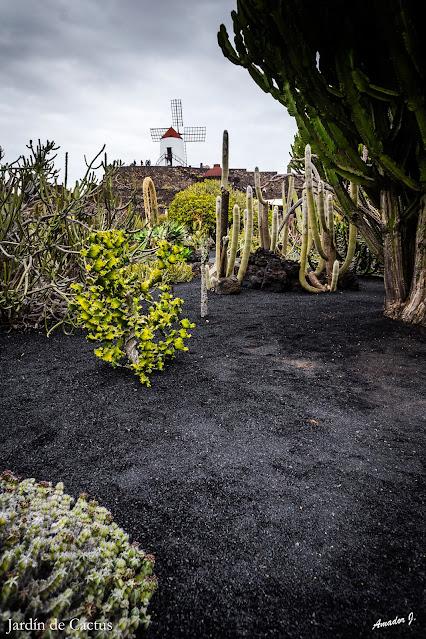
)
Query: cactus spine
[
  {"x": 248, "y": 235},
  {"x": 150, "y": 201},
  {"x": 235, "y": 237}
]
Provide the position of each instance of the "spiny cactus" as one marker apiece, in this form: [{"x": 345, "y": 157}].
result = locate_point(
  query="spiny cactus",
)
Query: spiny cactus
[
  {"x": 287, "y": 201},
  {"x": 235, "y": 237},
  {"x": 221, "y": 264},
  {"x": 64, "y": 560},
  {"x": 320, "y": 226},
  {"x": 274, "y": 229},
  {"x": 218, "y": 234},
  {"x": 248, "y": 235},
  {"x": 204, "y": 309},
  {"x": 150, "y": 201},
  {"x": 263, "y": 211}
]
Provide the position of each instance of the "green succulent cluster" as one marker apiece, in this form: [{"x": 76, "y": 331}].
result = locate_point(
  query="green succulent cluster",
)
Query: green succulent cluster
[
  {"x": 64, "y": 559},
  {"x": 137, "y": 323}
]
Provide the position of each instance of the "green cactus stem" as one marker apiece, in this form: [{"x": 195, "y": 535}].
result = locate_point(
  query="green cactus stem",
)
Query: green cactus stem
[
  {"x": 304, "y": 251},
  {"x": 265, "y": 240},
  {"x": 218, "y": 233},
  {"x": 205, "y": 277},
  {"x": 236, "y": 221},
  {"x": 224, "y": 212},
  {"x": 312, "y": 215},
  {"x": 248, "y": 235},
  {"x": 287, "y": 204},
  {"x": 335, "y": 277},
  {"x": 320, "y": 266},
  {"x": 223, "y": 255},
  {"x": 225, "y": 160},
  {"x": 274, "y": 229},
  {"x": 150, "y": 201},
  {"x": 353, "y": 190},
  {"x": 328, "y": 236}
]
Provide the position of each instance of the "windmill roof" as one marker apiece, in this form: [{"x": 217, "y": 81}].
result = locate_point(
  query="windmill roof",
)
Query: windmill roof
[
  {"x": 171, "y": 133},
  {"x": 215, "y": 171}
]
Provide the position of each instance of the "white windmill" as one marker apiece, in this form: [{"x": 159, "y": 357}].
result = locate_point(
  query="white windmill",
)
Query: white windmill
[{"x": 173, "y": 139}]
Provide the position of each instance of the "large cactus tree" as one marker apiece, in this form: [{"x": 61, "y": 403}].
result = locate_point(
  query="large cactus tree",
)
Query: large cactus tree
[{"x": 353, "y": 76}]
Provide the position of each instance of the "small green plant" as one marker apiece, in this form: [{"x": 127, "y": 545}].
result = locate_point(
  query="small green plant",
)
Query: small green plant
[
  {"x": 167, "y": 230},
  {"x": 137, "y": 324},
  {"x": 66, "y": 560}
]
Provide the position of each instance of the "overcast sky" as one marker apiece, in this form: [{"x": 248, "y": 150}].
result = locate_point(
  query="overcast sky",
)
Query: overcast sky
[{"x": 89, "y": 72}]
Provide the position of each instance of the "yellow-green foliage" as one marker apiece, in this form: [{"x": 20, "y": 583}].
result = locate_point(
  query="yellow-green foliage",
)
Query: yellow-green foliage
[
  {"x": 137, "y": 324},
  {"x": 173, "y": 274},
  {"x": 63, "y": 559},
  {"x": 195, "y": 206}
]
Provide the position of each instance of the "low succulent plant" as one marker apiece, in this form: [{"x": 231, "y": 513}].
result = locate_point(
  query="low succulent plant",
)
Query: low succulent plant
[{"x": 66, "y": 561}]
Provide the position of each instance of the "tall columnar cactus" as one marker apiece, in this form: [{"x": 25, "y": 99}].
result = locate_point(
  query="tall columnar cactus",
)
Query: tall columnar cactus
[
  {"x": 265, "y": 240},
  {"x": 218, "y": 235},
  {"x": 204, "y": 280},
  {"x": 248, "y": 235},
  {"x": 318, "y": 222},
  {"x": 287, "y": 202},
  {"x": 353, "y": 190},
  {"x": 224, "y": 206},
  {"x": 274, "y": 229},
  {"x": 235, "y": 237},
  {"x": 150, "y": 201}
]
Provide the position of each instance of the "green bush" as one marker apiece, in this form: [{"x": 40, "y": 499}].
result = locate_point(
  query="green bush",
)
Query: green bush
[
  {"x": 195, "y": 206},
  {"x": 173, "y": 274},
  {"x": 135, "y": 329},
  {"x": 65, "y": 560}
]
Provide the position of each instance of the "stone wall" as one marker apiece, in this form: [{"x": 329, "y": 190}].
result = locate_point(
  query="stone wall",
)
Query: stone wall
[{"x": 170, "y": 180}]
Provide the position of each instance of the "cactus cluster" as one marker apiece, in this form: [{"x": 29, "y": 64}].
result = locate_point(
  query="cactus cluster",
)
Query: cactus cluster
[
  {"x": 65, "y": 561},
  {"x": 318, "y": 230}
]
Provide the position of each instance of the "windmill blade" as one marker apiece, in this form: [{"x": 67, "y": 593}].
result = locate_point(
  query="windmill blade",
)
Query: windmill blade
[
  {"x": 157, "y": 134},
  {"x": 194, "y": 134},
  {"x": 177, "y": 119}
]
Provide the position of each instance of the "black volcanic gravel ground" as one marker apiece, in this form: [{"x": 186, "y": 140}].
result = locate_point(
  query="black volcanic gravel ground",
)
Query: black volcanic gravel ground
[{"x": 275, "y": 470}]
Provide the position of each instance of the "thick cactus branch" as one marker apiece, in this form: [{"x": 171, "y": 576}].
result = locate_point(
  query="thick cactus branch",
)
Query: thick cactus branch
[
  {"x": 248, "y": 235},
  {"x": 235, "y": 237}
]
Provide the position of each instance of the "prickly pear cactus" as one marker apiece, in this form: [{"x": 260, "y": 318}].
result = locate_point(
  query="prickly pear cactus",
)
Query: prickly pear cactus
[{"x": 64, "y": 561}]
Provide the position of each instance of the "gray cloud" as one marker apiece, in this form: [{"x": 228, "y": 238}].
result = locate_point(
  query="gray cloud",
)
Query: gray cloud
[{"x": 89, "y": 72}]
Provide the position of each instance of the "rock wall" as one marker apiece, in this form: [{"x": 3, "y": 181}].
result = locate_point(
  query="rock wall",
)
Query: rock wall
[{"x": 170, "y": 180}]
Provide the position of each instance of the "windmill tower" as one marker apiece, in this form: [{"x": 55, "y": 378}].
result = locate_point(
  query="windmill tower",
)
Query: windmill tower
[{"x": 173, "y": 140}]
